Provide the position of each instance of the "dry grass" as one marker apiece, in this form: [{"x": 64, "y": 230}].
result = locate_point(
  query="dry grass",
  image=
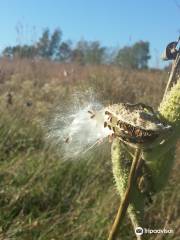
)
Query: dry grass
[{"x": 43, "y": 197}]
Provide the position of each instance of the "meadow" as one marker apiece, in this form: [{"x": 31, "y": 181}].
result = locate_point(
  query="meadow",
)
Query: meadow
[{"x": 43, "y": 197}]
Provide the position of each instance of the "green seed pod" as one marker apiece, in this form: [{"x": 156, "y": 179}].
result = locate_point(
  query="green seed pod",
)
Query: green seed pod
[
  {"x": 121, "y": 162},
  {"x": 170, "y": 108},
  {"x": 161, "y": 158}
]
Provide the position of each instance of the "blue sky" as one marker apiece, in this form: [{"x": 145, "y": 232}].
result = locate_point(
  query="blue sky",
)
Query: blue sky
[{"x": 113, "y": 22}]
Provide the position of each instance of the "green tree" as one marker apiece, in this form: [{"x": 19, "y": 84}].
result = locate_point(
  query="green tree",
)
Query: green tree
[
  {"x": 141, "y": 53},
  {"x": 43, "y": 44},
  {"x": 25, "y": 51},
  {"x": 95, "y": 55},
  {"x": 65, "y": 52},
  {"x": 48, "y": 45},
  {"x": 89, "y": 52},
  {"x": 125, "y": 58},
  {"x": 77, "y": 56},
  {"x": 135, "y": 56},
  {"x": 54, "y": 43}
]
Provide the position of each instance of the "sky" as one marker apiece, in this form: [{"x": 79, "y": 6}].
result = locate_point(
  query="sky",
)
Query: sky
[{"x": 115, "y": 23}]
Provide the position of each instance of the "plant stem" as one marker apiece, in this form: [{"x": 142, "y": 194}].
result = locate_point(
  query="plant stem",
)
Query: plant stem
[
  {"x": 125, "y": 201},
  {"x": 172, "y": 74}
]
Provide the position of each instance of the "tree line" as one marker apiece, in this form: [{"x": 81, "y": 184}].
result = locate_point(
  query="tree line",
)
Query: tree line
[{"x": 51, "y": 46}]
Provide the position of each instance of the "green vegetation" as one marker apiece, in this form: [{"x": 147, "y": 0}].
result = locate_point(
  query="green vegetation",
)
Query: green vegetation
[{"x": 43, "y": 197}]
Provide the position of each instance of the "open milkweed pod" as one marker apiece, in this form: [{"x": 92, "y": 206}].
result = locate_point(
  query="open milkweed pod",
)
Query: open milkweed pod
[
  {"x": 170, "y": 52},
  {"x": 136, "y": 124}
]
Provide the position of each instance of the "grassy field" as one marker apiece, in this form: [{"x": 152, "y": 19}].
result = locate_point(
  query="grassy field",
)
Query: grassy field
[{"x": 44, "y": 197}]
